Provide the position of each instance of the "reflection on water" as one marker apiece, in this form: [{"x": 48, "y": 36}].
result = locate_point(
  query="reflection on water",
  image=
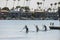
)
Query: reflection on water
[{"x": 12, "y": 30}]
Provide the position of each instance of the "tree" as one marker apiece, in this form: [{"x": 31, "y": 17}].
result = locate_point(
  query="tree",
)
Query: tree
[
  {"x": 24, "y": 3},
  {"x": 55, "y": 6},
  {"x": 12, "y": 8},
  {"x": 33, "y": 15},
  {"x": 58, "y": 3},
  {"x": 43, "y": 0},
  {"x": 49, "y": 9},
  {"x": 59, "y": 9},
  {"x": 51, "y": 5},
  {"x": 5, "y": 8},
  {"x": 43, "y": 4},
  {"x": 27, "y": 2},
  {"x": 22, "y": 7},
  {"x": 55, "y": 3},
  {"x": 0, "y": 9},
  {"x": 38, "y": 4},
  {"x": 13, "y": 2},
  {"x": 6, "y": 2},
  {"x": 18, "y": 7},
  {"x": 18, "y": 2},
  {"x": 27, "y": 8}
]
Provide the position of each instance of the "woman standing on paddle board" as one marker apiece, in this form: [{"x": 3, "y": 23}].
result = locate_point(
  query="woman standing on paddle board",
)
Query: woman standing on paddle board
[
  {"x": 45, "y": 28},
  {"x": 26, "y": 28},
  {"x": 37, "y": 29}
]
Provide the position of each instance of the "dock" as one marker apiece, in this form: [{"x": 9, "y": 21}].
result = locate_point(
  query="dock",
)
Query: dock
[{"x": 54, "y": 27}]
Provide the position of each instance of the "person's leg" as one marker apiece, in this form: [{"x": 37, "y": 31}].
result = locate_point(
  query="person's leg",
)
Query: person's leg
[{"x": 27, "y": 30}]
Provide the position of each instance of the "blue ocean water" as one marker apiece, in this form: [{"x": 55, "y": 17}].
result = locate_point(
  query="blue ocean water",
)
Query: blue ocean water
[{"x": 13, "y": 30}]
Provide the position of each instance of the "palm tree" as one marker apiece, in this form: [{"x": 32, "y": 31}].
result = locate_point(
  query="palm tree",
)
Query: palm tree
[
  {"x": 27, "y": 2},
  {"x": 58, "y": 3},
  {"x": 51, "y": 5},
  {"x": 24, "y": 3},
  {"x": 59, "y": 10},
  {"x": 49, "y": 9},
  {"x": 18, "y": 2},
  {"x": 0, "y": 9},
  {"x": 55, "y": 3},
  {"x": 55, "y": 6},
  {"x": 18, "y": 7},
  {"x": 13, "y": 2},
  {"x": 38, "y": 4},
  {"x": 43, "y": 0},
  {"x": 43, "y": 3},
  {"x": 6, "y": 2}
]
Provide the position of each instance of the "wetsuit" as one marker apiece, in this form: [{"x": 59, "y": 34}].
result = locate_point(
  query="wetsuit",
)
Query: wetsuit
[
  {"x": 37, "y": 29},
  {"x": 26, "y": 29}
]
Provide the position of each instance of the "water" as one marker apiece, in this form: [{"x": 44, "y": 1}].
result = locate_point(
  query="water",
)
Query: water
[{"x": 12, "y": 30}]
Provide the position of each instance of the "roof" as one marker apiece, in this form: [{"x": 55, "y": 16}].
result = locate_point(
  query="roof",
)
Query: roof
[
  {"x": 4, "y": 11},
  {"x": 37, "y": 10}
]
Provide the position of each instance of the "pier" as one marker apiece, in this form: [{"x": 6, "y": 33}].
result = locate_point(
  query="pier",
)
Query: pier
[{"x": 54, "y": 27}]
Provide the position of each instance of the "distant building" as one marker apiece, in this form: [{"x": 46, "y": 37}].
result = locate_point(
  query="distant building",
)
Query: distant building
[
  {"x": 38, "y": 10},
  {"x": 4, "y": 11}
]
